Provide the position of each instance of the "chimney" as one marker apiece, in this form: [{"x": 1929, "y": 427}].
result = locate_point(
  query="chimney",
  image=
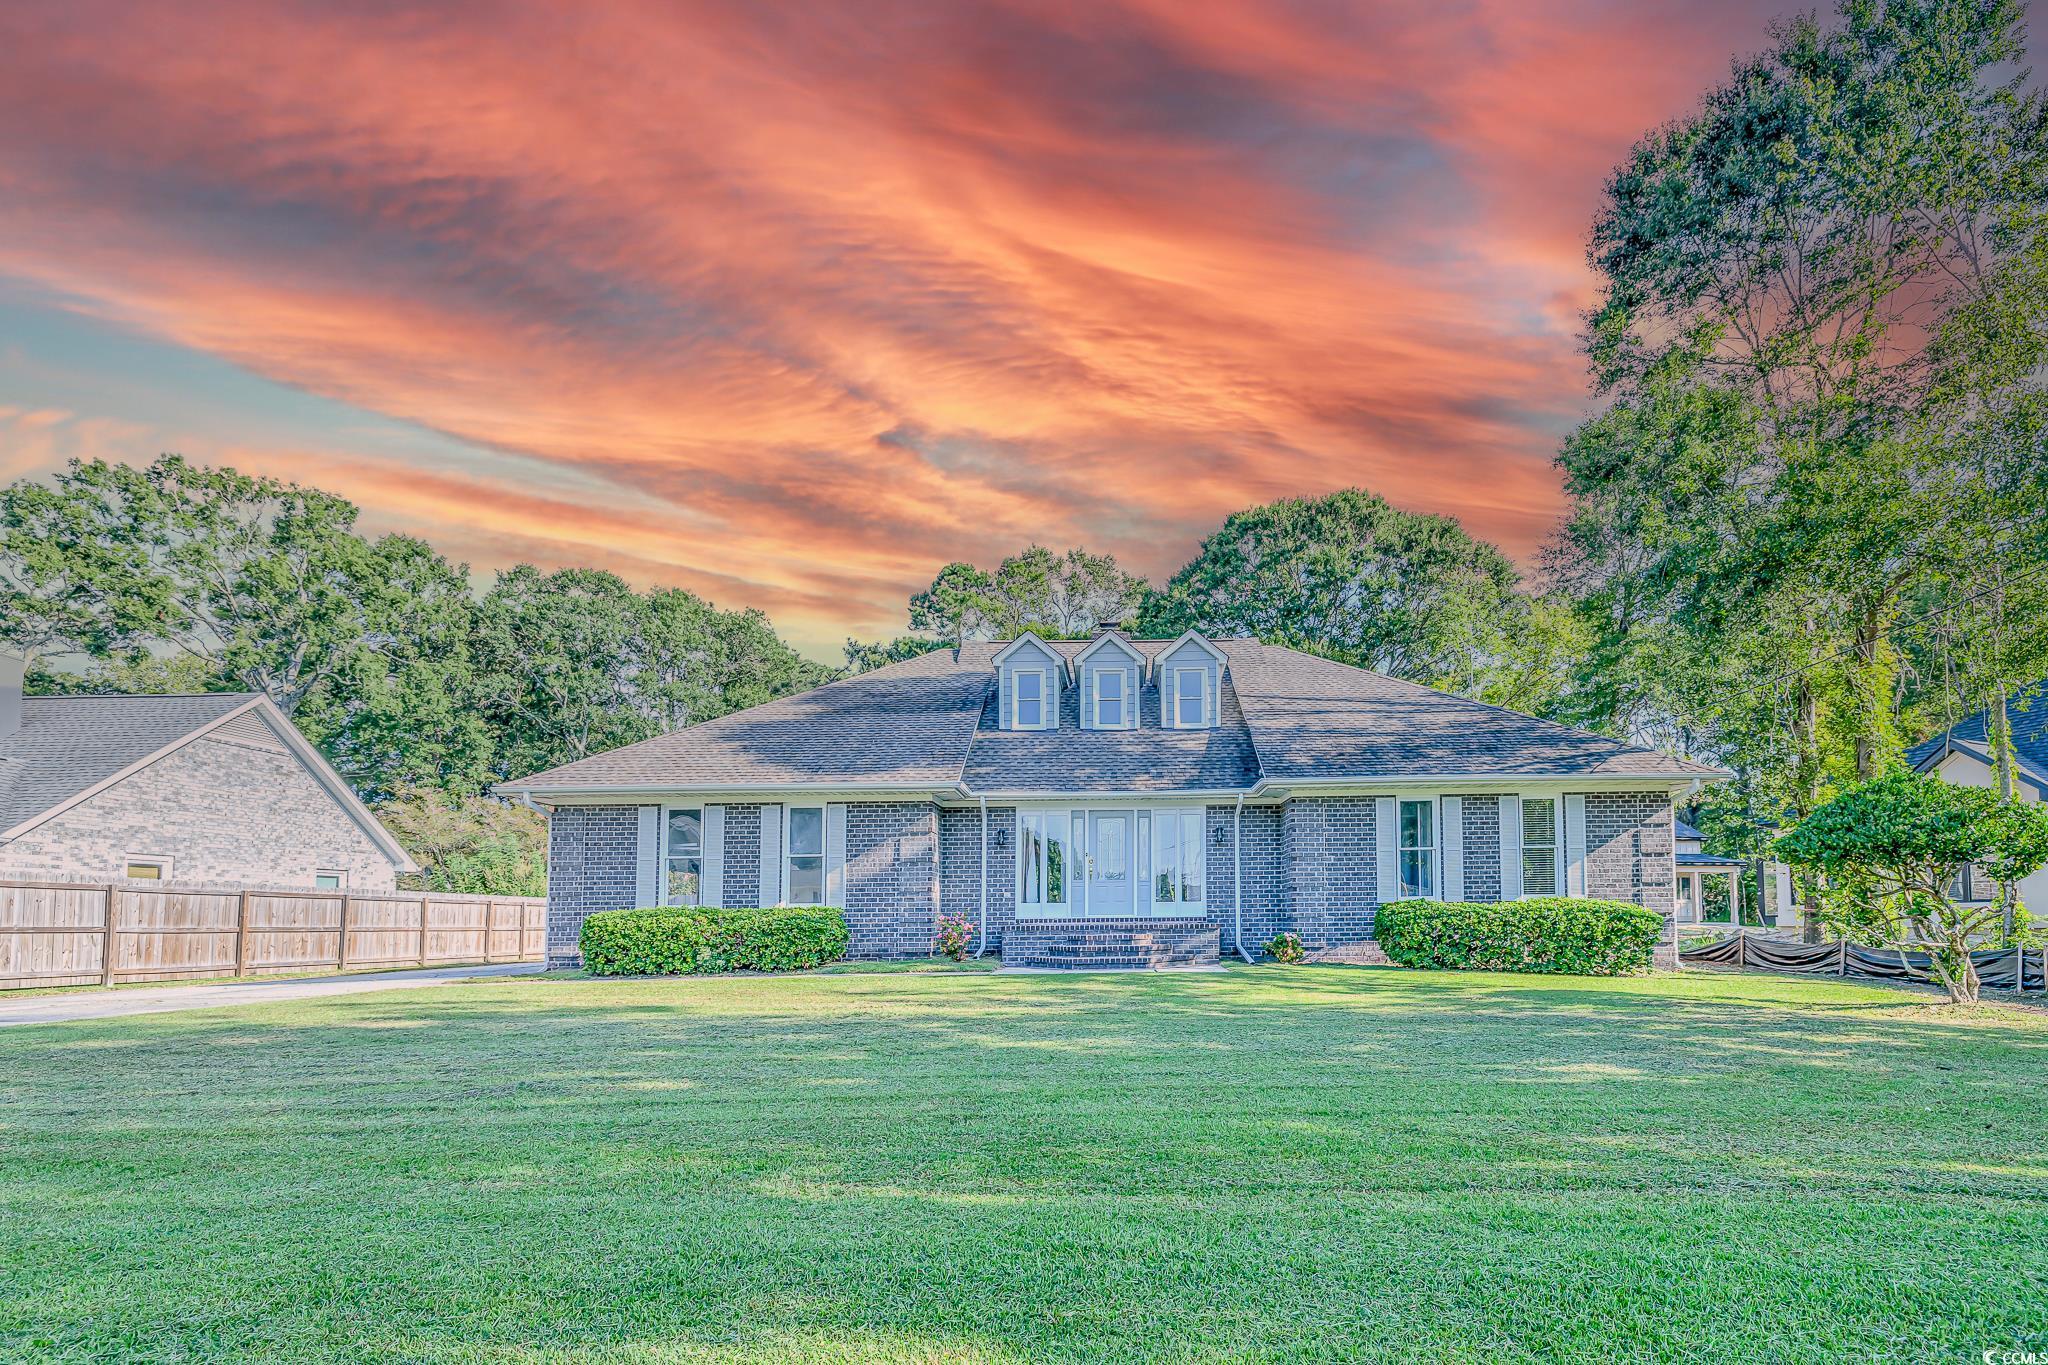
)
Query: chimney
[{"x": 12, "y": 669}]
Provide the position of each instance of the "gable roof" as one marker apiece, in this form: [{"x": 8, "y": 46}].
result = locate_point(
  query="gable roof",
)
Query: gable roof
[
  {"x": 69, "y": 748},
  {"x": 1972, "y": 736},
  {"x": 929, "y": 723}
]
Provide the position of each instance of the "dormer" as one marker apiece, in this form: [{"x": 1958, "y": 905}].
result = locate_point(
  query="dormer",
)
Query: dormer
[
  {"x": 1107, "y": 672},
  {"x": 1028, "y": 677},
  {"x": 1190, "y": 683}
]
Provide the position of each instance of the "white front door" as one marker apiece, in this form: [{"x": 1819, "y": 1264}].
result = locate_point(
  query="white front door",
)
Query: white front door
[{"x": 1110, "y": 833}]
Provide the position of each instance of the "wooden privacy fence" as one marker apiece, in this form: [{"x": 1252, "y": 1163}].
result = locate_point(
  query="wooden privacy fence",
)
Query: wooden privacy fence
[{"x": 77, "y": 933}]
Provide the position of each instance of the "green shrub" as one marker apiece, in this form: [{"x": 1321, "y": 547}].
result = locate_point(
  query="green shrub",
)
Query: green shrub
[
  {"x": 1543, "y": 934},
  {"x": 683, "y": 940},
  {"x": 1285, "y": 948}
]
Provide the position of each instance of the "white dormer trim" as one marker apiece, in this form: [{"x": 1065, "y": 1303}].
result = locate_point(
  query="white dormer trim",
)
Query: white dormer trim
[
  {"x": 1222, "y": 659},
  {"x": 1127, "y": 679},
  {"x": 1028, "y": 637},
  {"x": 1110, "y": 637}
]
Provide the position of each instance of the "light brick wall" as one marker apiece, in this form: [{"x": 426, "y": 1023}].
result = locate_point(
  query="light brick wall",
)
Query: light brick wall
[
  {"x": 892, "y": 878},
  {"x": 591, "y": 867},
  {"x": 222, "y": 811},
  {"x": 740, "y": 877}
]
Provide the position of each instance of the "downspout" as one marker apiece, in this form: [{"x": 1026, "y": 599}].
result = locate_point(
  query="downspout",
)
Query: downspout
[
  {"x": 1237, "y": 877},
  {"x": 981, "y": 938}
]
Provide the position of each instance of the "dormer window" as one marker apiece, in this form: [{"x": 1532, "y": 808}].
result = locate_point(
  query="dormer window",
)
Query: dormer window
[
  {"x": 1027, "y": 699},
  {"x": 1190, "y": 677},
  {"x": 1190, "y": 697},
  {"x": 1111, "y": 705}
]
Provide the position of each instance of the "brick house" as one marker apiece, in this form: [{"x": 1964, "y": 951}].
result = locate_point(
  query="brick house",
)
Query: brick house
[
  {"x": 213, "y": 789},
  {"x": 1109, "y": 801}
]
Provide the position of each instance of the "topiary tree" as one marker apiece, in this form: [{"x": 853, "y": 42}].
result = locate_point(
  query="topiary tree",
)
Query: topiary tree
[{"x": 1900, "y": 840}]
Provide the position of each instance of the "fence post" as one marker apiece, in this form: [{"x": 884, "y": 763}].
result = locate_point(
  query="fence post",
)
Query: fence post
[
  {"x": 341, "y": 939},
  {"x": 1841, "y": 957},
  {"x": 107, "y": 939},
  {"x": 423, "y": 931},
  {"x": 1741, "y": 947},
  {"x": 490, "y": 927},
  {"x": 242, "y": 936}
]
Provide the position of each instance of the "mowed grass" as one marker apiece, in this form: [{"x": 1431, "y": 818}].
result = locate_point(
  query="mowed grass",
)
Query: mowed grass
[{"x": 1263, "y": 1164}]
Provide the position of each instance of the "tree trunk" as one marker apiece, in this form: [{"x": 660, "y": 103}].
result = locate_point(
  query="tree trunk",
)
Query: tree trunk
[
  {"x": 1807, "y": 780},
  {"x": 2002, "y": 761}
]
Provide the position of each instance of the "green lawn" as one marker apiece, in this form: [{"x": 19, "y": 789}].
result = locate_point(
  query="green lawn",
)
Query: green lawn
[{"x": 1270, "y": 1164}]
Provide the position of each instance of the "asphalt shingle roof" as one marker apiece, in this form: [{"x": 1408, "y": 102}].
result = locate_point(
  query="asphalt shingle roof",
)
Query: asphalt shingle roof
[
  {"x": 2029, "y": 717},
  {"x": 68, "y": 744},
  {"x": 1283, "y": 715}
]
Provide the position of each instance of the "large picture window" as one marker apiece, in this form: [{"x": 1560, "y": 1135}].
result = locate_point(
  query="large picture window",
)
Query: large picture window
[
  {"x": 1539, "y": 846},
  {"x": 682, "y": 854},
  {"x": 806, "y": 855},
  {"x": 1178, "y": 858},
  {"x": 1418, "y": 849},
  {"x": 1043, "y": 848}
]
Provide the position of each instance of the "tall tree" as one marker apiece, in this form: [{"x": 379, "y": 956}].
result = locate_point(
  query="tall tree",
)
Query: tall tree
[
  {"x": 1353, "y": 578},
  {"x": 1795, "y": 279},
  {"x": 1060, "y": 595}
]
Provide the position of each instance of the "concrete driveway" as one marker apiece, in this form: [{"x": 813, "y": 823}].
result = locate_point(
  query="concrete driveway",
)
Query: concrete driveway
[{"x": 61, "y": 1009}]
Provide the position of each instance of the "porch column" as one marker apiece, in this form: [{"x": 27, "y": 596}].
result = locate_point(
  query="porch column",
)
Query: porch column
[{"x": 1735, "y": 898}]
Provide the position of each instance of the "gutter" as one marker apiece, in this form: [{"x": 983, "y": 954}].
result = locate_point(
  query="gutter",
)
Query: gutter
[
  {"x": 1237, "y": 877},
  {"x": 981, "y": 938}
]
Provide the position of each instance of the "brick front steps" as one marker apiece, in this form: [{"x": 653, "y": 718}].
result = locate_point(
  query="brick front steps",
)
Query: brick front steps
[{"x": 1099, "y": 943}]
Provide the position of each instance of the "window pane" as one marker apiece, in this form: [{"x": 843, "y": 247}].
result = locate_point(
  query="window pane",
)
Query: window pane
[
  {"x": 1192, "y": 853},
  {"x": 1415, "y": 872},
  {"x": 1168, "y": 877},
  {"x": 1143, "y": 848},
  {"x": 1539, "y": 871},
  {"x": 145, "y": 872},
  {"x": 1418, "y": 826},
  {"x": 1111, "y": 856},
  {"x": 1030, "y": 714},
  {"x": 807, "y": 879},
  {"x": 1033, "y": 854},
  {"x": 807, "y": 829},
  {"x": 1188, "y": 687},
  {"x": 1109, "y": 698},
  {"x": 1539, "y": 821},
  {"x": 1056, "y": 861},
  {"x": 685, "y": 878},
  {"x": 685, "y": 832},
  {"x": 327, "y": 881}
]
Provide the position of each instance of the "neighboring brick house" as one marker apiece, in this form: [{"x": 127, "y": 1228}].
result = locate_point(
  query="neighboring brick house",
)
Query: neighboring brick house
[
  {"x": 1110, "y": 801},
  {"x": 214, "y": 789}
]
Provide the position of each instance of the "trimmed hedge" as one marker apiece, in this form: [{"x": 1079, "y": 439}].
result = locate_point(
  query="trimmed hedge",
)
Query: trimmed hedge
[
  {"x": 1543, "y": 934},
  {"x": 683, "y": 940}
]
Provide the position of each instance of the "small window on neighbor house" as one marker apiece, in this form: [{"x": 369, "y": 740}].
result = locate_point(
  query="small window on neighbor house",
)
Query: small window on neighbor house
[
  {"x": 329, "y": 881},
  {"x": 1539, "y": 845},
  {"x": 1418, "y": 848},
  {"x": 1190, "y": 698},
  {"x": 1027, "y": 700},
  {"x": 144, "y": 870},
  {"x": 806, "y": 855},
  {"x": 1109, "y": 698}
]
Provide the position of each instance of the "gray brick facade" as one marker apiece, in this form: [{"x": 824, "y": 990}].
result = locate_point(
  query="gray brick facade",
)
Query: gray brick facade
[
  {"x": 1482, "y": 848},
  {"x": 892, "y": 878},
  {"x": 591, "y": 867},
  {"x": 219, "y": 811},
  {"x": 1310, "y": 866},
  {"x": 1331, "y": 857}
]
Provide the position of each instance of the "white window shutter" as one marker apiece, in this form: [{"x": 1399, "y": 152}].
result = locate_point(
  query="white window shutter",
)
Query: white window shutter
[
  {"x": 1453, "y": 840},
  {"x": 647, "y": 865},
  {"x": 1575, "y": 844},
  {"x": 711, "y": 885},
  {"x": 1386, "y": 824},
  {"x": 1511, "y": 848},
  {"x": 1212, "y": 696},
  {"x": 835, "y": 854},
  {"x": 771, "y": 855}
]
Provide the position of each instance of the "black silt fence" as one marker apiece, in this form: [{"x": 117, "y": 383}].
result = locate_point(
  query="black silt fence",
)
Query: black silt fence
[{"x": 2023, "y": 969}]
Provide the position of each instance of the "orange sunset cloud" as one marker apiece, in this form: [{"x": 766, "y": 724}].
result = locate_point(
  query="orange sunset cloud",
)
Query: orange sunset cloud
[{"x": 791, "y": 306}]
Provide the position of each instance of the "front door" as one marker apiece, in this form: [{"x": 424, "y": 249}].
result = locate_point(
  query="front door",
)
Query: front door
[{"x": 1109, "y": 863}]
